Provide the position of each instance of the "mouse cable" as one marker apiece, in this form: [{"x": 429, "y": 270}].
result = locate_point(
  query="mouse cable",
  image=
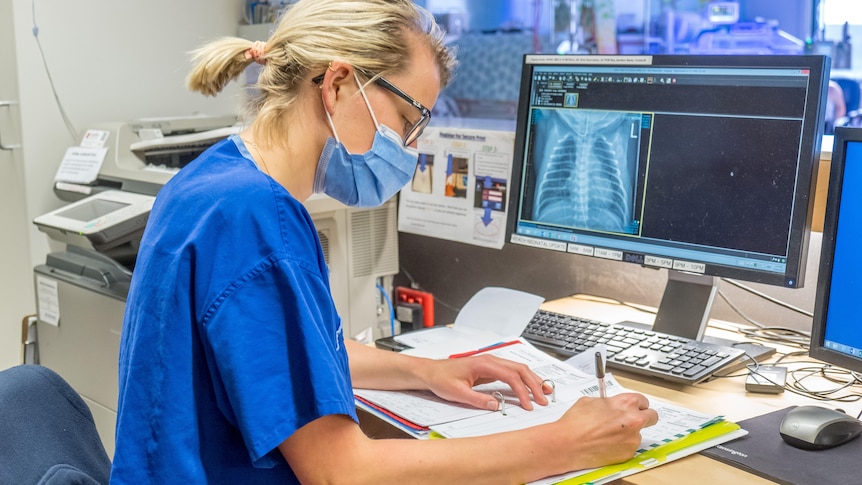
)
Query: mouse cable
[
  {"x": 754, "y": 363},
  {"x": 826, "y": 372},
  {"x": 821, "y": 368}
]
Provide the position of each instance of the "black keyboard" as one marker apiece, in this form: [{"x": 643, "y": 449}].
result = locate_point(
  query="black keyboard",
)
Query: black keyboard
[{"x": 636, "y": 350}]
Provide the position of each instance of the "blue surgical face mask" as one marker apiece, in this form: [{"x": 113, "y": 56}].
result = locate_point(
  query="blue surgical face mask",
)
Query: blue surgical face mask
[{"x": 368, "y": 179}]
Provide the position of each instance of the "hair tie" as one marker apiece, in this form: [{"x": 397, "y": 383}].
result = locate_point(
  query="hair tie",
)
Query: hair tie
[{"x": 257, "y": 52}]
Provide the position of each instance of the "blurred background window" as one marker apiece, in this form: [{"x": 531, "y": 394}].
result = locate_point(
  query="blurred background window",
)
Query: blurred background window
[{"x": 492, "y": 36}]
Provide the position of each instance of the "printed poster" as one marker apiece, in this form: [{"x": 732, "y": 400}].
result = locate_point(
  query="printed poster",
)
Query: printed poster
[{"x": 460, "y": 187}]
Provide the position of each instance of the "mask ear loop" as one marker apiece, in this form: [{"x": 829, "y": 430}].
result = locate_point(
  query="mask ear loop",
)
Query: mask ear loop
[
  {"x": 329, "y": 117},
  {"x": 362, "y": 92},
  {"x": 367, "y": 104}
]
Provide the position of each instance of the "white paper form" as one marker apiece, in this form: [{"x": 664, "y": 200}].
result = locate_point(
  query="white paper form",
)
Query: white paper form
[
  {"x": 567, "y": 392},
  {"x": 570, "y": 384},
  {"x": 491, "y": 316},
  {"x": 426, "y": 409},
  {"x": 674, "y": 421}
]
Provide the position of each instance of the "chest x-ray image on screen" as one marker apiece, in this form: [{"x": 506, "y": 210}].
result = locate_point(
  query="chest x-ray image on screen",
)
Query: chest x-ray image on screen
[{"x": 580, "y": 149}]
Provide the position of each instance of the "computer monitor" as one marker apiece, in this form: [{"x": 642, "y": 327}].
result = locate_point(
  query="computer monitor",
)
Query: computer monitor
[
  {"x": 703, "y": 165},
  {"x": 835, "y": 335}
]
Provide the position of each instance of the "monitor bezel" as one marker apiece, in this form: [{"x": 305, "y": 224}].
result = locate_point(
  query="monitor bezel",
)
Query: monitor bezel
[
  {"x": 813, "y": 121},
  {"x": 817, "y": 348}
]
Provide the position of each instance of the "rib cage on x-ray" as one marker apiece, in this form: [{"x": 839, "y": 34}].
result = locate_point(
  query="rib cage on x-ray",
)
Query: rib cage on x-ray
[{"x": 582, "y": 184}]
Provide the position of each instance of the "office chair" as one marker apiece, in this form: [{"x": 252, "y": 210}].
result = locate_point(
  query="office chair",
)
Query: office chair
[
  {"x": 852, "y": 93},
  {"x": 47, "y": 433}
]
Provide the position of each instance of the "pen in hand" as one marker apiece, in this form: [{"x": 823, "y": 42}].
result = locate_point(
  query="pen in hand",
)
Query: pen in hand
[{"x": 600, "y": 375}]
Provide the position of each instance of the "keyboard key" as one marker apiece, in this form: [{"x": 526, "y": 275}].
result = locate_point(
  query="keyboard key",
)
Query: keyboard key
[
  {"x": 660, "y": 366},
  {"x": 694, "y": 371},
  {"x": 547, "y": 340}
]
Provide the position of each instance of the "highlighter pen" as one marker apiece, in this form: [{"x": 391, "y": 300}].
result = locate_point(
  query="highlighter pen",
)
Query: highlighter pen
[{"x": 600, "y": 375}]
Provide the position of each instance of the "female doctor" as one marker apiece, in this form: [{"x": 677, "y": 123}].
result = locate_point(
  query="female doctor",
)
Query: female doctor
[{"x": 233, "y": 363}]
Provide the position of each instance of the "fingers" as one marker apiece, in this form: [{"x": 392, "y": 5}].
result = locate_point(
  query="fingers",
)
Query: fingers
[
  {"x": 637, "y": 406},
  {"x": 525, "y": 383},
  {"x": 652, "y": 417},
  {"x": 528, "y": 387},
  {"x": 481, "y": 400}
]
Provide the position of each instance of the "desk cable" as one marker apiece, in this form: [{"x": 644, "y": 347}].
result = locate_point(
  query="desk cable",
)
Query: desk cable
[
  {"x": 759, "y": 331},
  {"x": 843, "y": 378},
  {"x": 391, "y": 308}
]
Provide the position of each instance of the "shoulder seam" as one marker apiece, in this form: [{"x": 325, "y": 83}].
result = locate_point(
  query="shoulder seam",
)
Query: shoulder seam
[{"x": 257, "y": 270}]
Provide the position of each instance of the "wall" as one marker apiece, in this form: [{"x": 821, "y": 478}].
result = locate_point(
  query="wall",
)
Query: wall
[
  {"x": 15, "y": 287},
  {"x": 110, "y": 61}
]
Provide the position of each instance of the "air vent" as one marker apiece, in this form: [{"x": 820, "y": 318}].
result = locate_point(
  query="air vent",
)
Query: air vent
[
  {"x": 374, "y": 241},
  {"x": 323, "y": 235}
]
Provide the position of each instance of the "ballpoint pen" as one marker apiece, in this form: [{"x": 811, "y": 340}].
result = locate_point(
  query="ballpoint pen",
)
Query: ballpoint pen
[{"x": 600, "y": 374}]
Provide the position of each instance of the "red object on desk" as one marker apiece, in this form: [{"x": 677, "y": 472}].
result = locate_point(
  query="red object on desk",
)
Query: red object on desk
[
  {"x": 422, "y": 298},
  {"x": 484, "y": 349}
]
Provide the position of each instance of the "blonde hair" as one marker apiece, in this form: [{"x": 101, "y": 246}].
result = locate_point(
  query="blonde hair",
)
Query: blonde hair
[{"x": 371, "y": 35}]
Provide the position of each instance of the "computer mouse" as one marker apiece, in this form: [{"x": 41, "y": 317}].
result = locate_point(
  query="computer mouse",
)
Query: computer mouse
[{"x": 818, "y": 428}]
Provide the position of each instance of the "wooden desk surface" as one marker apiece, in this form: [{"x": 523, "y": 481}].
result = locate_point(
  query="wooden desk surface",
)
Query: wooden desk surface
[{"x": 721, "y": 396}]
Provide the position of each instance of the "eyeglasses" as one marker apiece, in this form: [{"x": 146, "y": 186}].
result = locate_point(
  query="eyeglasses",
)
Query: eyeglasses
[
  {"x": 418, "y": 127},
  {"x": 425, "y": 114}
]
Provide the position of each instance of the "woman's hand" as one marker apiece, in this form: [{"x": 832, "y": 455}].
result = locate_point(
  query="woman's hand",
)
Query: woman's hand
[
  {"x": 605, "y": 430},
  {"x": 453, "y": 380}
]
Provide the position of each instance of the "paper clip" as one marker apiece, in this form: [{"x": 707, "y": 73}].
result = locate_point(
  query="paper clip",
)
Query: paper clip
[
  {"x": 553, "y": 386},
  {"x": 501, "y": 402}
]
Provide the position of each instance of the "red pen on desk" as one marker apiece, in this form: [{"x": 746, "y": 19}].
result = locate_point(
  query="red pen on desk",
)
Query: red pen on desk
[{"x": 484, "y": 349}]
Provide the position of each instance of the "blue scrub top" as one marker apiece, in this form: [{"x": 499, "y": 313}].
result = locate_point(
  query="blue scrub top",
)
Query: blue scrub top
[{"x": 231, "y": 341}]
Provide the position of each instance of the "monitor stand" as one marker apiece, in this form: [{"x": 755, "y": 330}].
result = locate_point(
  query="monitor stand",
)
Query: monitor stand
[{"x": 684, "y": 312}]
